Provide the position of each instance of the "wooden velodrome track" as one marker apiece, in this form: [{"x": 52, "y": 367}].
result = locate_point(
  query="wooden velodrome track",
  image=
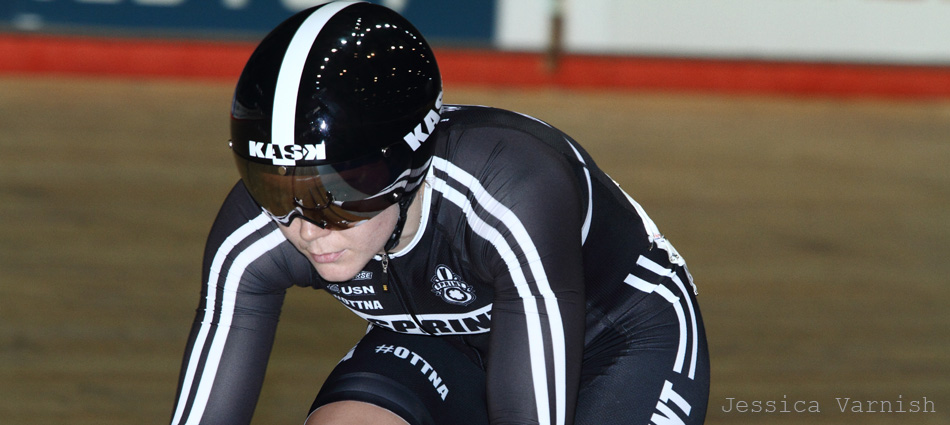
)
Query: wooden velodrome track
[{"x": 818, "y": 231}]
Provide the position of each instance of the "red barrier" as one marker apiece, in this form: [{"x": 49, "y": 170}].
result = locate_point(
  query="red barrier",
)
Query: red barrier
[
  {"x": 698, "y": 75},
  {"x": 122, "y": 57},
  {"x": 189, "y": 59}
]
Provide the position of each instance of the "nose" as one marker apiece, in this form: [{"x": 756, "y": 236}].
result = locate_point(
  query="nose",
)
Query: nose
[{"x": 310, "y": 232}]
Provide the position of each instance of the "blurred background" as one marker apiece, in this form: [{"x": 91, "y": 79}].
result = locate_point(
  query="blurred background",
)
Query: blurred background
[{"x": 796, "y": 152}]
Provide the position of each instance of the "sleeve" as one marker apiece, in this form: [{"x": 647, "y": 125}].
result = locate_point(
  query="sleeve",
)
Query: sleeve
[
  {"x": 530, "y": 223},
  {"x": 246, "y": 270}
]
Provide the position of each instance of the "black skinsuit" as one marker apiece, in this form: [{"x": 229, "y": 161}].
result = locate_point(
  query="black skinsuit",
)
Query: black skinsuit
[{"x": 552, "y": 296}]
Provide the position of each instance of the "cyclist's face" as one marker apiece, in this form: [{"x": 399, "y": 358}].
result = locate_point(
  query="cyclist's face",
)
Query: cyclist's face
[{"x": 338, "y": 255}]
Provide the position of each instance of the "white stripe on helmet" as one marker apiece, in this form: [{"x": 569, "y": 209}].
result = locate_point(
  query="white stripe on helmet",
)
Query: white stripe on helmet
[{"x": 288, "y": 78}]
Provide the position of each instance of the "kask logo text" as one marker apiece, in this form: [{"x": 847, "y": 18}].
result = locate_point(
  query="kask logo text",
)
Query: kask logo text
[
  {"x": 416, "y": 137},
  {"x": 275, "y": 153}
]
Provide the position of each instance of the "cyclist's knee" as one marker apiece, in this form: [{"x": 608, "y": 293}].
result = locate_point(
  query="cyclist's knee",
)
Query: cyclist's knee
[{"x": 350, "y": 412}]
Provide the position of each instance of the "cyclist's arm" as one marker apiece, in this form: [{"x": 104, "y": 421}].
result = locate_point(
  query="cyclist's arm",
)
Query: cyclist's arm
[
  {"x": 246, "y": 272},
  {"x": 538, "y": 314}
]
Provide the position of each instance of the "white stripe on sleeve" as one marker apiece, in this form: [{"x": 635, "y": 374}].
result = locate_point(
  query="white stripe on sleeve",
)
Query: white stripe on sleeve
[
  {"x": 223, "y": 251},
  {"x": 525, "y": 243}
]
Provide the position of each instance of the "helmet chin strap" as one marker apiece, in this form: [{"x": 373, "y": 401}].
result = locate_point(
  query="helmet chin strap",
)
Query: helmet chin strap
[{"x": 404, "y": 203}]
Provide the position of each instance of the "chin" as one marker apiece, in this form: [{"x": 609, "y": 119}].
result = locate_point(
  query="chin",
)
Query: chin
[{"x": 335, "y": 273}]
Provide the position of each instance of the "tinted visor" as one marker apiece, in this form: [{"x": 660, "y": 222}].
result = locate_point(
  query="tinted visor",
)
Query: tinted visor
[{"x": 335, "y": 196}]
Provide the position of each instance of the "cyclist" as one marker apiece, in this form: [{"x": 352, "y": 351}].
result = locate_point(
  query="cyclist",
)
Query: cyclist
[{"x": 505, "y": 278}]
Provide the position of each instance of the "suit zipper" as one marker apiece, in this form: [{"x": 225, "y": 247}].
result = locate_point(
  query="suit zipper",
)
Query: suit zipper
[{"x": 393, "y": 282}]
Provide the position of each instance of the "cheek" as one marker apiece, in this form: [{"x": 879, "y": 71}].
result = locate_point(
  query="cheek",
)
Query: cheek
[{"x": 290, "y": 233}]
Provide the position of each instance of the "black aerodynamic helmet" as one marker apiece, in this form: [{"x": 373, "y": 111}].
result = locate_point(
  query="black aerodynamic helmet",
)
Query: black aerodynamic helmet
[{"x": 331, "y": 114}]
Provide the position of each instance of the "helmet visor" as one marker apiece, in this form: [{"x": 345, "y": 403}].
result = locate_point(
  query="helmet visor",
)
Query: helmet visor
[{"x": 336, "y": 196}]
